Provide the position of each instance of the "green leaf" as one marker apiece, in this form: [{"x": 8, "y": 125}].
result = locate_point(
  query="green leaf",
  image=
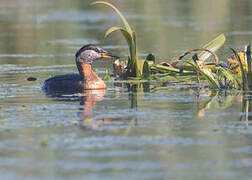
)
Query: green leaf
[
  {"x": 135, "y": 61},
  {"x": 214, "y": 45},
  {"x": 110, "y": 30},
  {"x": 128, "y": 39},
  {"x": 125, "y": 22},
  {"x": 147, "y": 68},
  {"x": 229, "y": 76},
  {"x": 165, "y": 69},
  {"x": 125, "y": 33},
  {"x": 248, "y": 61},
  {"x": 107, "y": 76},
  {"x": 151, "y": 57},
  {"x": 210, "y": 77},
  {"x": 243, "y": 73},
  {"x": 134, "y": 67},
  {"x": 248, "y": 56}
]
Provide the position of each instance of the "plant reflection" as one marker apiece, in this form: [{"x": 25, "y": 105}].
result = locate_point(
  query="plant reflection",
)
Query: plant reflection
[
  {"x": 246, "y": 107},
  {"x": 223, "y": 100},
  {"x": 219, "y": 99},
  {"x": 135, "y": 90},
  {"x": 205, "y": 99}
]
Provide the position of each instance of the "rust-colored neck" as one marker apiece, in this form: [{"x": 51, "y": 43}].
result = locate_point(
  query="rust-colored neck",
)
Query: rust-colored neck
[
  {"x": 91, "y": 80},
  {"x": 85, "y": 71}
]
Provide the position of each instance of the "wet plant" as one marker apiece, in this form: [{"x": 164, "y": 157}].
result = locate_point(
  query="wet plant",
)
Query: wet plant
[
  {"x": 245, "y": 67},
  {"x": 218, "y": 75},
  {"x": 133, "y": 67}
]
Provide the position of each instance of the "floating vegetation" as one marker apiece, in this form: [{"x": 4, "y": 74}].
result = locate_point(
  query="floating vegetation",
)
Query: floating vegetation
[{"x": 235, "y": 73}]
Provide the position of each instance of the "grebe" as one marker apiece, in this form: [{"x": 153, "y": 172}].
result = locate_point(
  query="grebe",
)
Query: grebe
[{"x": 86, "y": 79}]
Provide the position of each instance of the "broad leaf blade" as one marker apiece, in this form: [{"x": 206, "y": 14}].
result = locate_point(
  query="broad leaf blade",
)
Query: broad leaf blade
[
  {"x": 125, "y": 22},
  {"x": 138, "y": 68},
  {"x": 125, "y": 33},
  {"x": 110, "y": 30},
  {"x": 214, "y": 45}
]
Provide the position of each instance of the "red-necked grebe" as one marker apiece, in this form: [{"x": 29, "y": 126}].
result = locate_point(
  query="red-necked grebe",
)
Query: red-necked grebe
[{"x": 86, "y": 79}]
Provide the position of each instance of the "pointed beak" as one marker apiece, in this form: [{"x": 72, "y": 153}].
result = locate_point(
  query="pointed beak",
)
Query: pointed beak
[{"x": 109, "y": 55}]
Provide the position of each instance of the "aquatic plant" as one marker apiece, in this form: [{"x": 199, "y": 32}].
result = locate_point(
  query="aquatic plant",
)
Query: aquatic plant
[
  {"x": 133, "y": 68},
  {"x": 245, "y": 67},
  {"x": 204, "y": 53},
  {"x": 215, "y": 73}
]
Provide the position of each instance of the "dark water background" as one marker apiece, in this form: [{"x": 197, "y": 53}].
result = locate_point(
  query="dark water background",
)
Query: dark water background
[{"x": 151, "y": 131}]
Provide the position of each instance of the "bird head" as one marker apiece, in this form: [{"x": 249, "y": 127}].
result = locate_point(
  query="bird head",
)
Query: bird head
[{"x": 90, "y": 53}]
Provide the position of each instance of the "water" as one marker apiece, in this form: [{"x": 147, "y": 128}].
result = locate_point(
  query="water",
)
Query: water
[{"x": 148, "y": 131}]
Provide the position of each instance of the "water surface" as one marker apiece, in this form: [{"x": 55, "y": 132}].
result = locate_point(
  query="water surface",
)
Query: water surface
[{"x": 148, "y": 131}]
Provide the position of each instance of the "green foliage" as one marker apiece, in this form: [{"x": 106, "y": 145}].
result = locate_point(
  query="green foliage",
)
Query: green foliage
[
  {"x": 227, "y": 79},
  {"x": 243, "y": 72},
  {"x": 148, "y": 63},
  {"x": 165, "y": 69},
  {"x": 134, "y": 66},
  {"x": 211, "y": 78},
  {"x": 126, "y": 24},
  {"x": 248, "y": 61},
  {"x": 146, "y": 70},
  {"x": 212, "y": 46},
  {"x": 217, "y": 76},
  {"x": 107, "y": 75},
  {"x": 248, "y": 56},
  {"x": 151, "y": 57}
]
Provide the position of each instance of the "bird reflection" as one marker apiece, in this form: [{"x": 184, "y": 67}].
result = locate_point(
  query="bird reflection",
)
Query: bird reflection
[{"x": 88, "y": 101}]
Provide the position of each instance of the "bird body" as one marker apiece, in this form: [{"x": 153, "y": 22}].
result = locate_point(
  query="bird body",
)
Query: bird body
[{"x": 86, "y": 79}]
